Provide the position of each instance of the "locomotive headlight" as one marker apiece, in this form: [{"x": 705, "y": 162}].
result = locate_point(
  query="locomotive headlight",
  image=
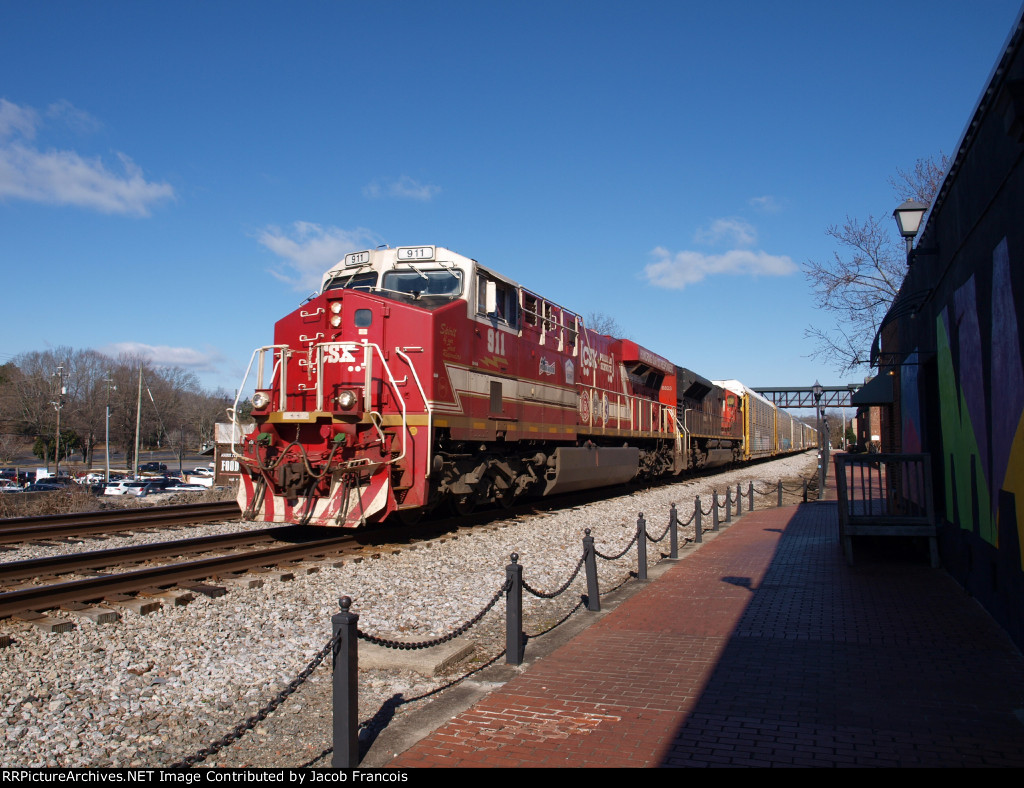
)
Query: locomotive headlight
[
  {"x": 335, "y": 320},
  {"x": 336, "y": 308},
  {"x": 347, "y": 399},
  {"x": 260, "y": 400}
]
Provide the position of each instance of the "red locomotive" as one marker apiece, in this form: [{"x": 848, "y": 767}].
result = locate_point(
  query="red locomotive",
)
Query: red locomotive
[{"x": 418, "y": 376}]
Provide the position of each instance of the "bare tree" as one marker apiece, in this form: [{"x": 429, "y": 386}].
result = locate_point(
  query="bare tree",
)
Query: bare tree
[
  {"x": 603, "y": 324},
  {"x": 861, "y": 279},
  {"x": 921, "y": 183}
]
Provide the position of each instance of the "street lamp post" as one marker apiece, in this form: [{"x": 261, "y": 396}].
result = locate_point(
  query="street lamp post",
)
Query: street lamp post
[
  {"x": 817, "y": 390},
  {"x": 908, "y": 218}
]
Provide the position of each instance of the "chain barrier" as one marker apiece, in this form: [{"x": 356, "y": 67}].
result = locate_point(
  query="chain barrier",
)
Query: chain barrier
[
  {"x": 628, "y": 547},
  {"x": 249, "y": 724},
  {"x": 561, "y": 589},
  {"x": 652, "y": 539},
  {"x": 242, "y": 728},
  {"x": 402, "y": 645},
  {"x": 663, "y": 533},
  {"x": 558, "y": 623}
]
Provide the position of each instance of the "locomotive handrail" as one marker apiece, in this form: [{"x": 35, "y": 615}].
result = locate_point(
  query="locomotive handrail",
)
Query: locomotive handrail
[
  {"x": 233, "y": 411},
  {"x": 368, "y": 353},
  {"x": 426, "y": 402}
]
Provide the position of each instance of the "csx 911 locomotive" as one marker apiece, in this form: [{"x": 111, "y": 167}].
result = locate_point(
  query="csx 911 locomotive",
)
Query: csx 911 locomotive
[{"x": 417, "y": 376}]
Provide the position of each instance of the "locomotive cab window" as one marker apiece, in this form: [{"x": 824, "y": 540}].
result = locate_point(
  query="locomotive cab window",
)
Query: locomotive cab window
[
  {"x": 497, "y": 299},
  {"x": 366, "y": 281}
]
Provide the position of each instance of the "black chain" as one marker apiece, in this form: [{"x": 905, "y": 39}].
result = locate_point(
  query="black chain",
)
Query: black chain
[
  {"x": 711, "y": 508},
  {"x": 561, "y": 590},
  {"x": 683, "y": 525},
  {"x": 240, "y": 729},
  {"x": 558, "y": 623},
  {"x": 663, "y": 533},
  {"x": 652, "y": 539},
  {"x": 769, "y": 491},
  {"x": 444, "y": 638},
  {"x": 628, "y": 547}
]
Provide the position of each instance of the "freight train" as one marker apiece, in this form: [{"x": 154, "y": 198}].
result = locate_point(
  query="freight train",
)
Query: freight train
[{"x": 418, "y": 377}]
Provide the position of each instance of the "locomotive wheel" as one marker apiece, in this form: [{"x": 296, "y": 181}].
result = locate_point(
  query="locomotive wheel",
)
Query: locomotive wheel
[
  {"x": 506, "y": 498},
  {"x": 410, "y": 516},
  {"x": 463, "y": 505}
]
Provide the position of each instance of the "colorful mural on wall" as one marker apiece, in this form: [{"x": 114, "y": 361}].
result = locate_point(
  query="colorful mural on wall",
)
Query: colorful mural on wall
[{"x": 983, "y": 447}]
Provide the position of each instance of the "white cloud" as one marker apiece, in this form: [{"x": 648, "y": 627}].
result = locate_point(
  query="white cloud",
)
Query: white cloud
[
  {"x": 730, "y": 230},
  {"x": 309, "y": 250},
  {"x": 78, "y": 120},
  {"x": 767, "y": 203},
  {"x": 402, "y": 188},
  {"x": 15, "y": 120},
  {"x": 676, "y": 271},
  {"x": 166, "y": 356},
  {"x": 63, "y": 177}
]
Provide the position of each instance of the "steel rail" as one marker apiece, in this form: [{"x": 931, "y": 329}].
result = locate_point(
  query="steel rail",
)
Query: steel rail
[
  {"x": 40, "y": 598},
  {"x": 95, "y": 559},
  {"x": 17, "y": 529}
]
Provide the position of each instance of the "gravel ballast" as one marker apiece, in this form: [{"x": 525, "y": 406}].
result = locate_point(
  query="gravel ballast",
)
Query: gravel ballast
[{"x": 151, "y": 690}]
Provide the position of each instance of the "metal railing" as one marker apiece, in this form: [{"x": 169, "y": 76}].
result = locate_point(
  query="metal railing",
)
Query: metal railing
[{"x": 885, "y": 495}]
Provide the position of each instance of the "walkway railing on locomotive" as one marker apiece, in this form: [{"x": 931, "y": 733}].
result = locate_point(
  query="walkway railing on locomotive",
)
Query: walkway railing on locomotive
[{"x": 623, "y": 408}]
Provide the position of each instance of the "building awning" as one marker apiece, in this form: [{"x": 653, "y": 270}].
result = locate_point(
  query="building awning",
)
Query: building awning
[{"x": 877, "y": 391}]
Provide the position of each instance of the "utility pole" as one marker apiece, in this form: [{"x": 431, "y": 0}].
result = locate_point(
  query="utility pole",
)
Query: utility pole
[
  {"x": 106, "y": 473},
  {"x": 138, "y": 418},
  {"x": 57, "y": 406}
]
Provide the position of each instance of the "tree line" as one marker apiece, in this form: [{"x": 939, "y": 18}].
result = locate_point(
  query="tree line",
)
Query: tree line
[{"x": 78, "y": 386}]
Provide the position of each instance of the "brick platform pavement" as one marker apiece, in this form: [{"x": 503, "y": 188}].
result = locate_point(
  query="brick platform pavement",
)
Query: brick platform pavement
[{"x": 763, "y": 649}]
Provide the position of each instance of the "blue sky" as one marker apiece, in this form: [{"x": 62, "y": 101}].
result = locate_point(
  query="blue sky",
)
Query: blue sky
[{"x": 175, "y": 177}]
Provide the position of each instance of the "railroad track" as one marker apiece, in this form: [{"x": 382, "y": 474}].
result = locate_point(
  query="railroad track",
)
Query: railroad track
[
  {"x": 23, "y": 529},
  {"x": 38, "y": 598}
]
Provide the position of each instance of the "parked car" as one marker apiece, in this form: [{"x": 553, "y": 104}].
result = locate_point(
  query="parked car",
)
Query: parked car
[
  {"x": 152, "y": 467},
  {"x": 46, "y": 486},
  {"x": 202, "y": 472},
  {"x": 138, "y": 488},
  {"x": 11, "y": 486},
  {"x": 183, "y": 487}
]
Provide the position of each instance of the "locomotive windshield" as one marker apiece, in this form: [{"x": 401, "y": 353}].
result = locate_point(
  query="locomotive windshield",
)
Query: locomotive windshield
[
  {"x": 443, "y": 286},
  {"x": 365, "y": 281}
]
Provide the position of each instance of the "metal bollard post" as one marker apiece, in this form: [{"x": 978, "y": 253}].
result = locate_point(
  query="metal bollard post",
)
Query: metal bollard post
[
  {"x": 673, "y": 527},
  {"x": 728, "y": 505},
  {"x": 699, "y": 532},
  {"x": 345, "y": 664},
  {"x": 780, "y": 493},
  {"x": 805, "y": 490},
  {"x": 514, "y": 612},
  {"x": 590, "y": 562},
  {"x": 739, "y": 500},
  {"x": 714, "y": 511},
  {"x": 641, "y": 547},
  {"x": 750, "y": 491}
]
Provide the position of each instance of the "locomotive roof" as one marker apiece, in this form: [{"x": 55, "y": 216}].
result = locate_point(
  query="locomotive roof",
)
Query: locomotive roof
[{"x": 368, "y": 259}]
